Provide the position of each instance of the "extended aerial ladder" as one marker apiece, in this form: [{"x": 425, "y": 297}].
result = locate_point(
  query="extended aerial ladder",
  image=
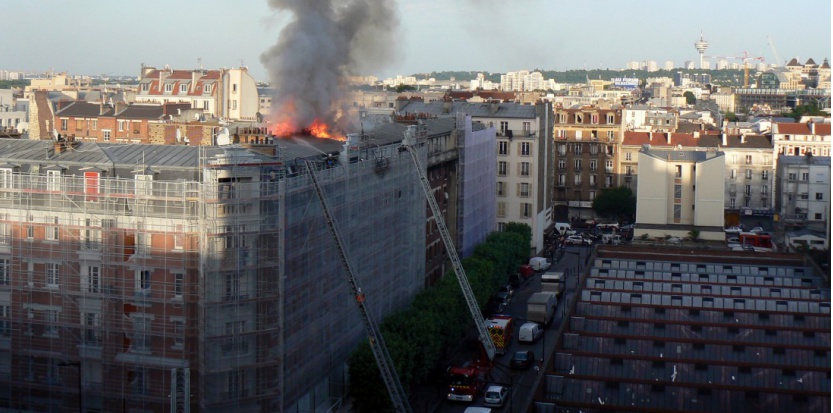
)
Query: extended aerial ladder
[
  {"x": 488, "y": 345},
  {"x": 398, "y": 397}
]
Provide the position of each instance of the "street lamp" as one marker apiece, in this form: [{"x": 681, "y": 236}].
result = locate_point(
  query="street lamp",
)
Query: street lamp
[{"x": 76, "y": 364}]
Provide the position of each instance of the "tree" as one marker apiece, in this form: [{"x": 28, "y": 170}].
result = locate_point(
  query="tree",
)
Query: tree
[
  {"x": 805, "y": 110},
  {"x": 689, "y": 98},
  {"x": 730, "y": 116},
  {"x": 401, "y": 88},
  {"x": 615, "y": 203}
]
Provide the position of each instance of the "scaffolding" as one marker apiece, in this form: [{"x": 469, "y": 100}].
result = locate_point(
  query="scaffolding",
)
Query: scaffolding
[{"x": 207, "y": 285}]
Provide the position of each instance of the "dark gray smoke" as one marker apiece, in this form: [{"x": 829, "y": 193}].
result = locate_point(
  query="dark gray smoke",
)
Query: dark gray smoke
[{"x": 326, "y": 41}]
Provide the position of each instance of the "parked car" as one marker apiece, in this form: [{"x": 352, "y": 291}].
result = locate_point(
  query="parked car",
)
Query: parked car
[
  {"x": 575, "y": 240},
  {"x": 530, "y": 332},
  {"x": 522, "y": 359},
  {"x": 495, "y": 395},
  {"x": 757, "y": 230},
  {"x": 504, "y": 297},
  {"x": 732, "y": 240},
  {"x": 733, "y": 230}
]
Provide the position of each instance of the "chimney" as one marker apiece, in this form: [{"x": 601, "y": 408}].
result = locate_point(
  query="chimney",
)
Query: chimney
[
  {"x": 668, "y": 138},
  {"x": 447, "y": 104},
  {"x": 59, "y": 147},
  {"x": 651, "y": 136},
  {"x": 723, "y": 138},
  {"x": 401, "y": 101},
  {"x": 120, "y": 107},
  {"x": 493, "y": 106},
  {"x": 742, "y": 138},
  {"x": 696, "y": 134},
  {"x": 102, "y": 108}
]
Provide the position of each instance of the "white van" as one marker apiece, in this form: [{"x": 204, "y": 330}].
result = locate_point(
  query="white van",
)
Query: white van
[
  {"x": 530, "y": 332},
  {"x": 539, "y": 263},
  {"x": 564, "y": 228}
]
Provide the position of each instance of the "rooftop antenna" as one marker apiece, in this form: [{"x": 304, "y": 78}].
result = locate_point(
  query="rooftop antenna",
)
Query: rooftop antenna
[{"x": 199, "y": 62}]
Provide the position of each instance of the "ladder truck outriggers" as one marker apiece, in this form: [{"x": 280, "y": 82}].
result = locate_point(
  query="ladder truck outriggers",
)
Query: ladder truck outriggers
[{"x": 467, "y": 380}]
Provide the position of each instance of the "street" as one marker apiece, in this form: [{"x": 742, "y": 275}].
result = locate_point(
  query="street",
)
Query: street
[{"x": 522, "y": 381}]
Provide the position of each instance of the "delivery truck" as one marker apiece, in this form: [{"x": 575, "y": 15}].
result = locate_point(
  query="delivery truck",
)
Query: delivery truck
[{"x": 540, "y": 307}]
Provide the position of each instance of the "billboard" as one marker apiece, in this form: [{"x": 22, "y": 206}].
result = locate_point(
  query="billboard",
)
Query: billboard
[{"x": 627, "y": 83}]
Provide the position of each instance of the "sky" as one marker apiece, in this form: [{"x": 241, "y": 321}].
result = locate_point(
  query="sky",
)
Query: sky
[{"x": 95, "y": 37}]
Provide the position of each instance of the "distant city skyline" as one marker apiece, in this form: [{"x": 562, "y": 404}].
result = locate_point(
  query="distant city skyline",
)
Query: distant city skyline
[{"x": 94, "y": 38}]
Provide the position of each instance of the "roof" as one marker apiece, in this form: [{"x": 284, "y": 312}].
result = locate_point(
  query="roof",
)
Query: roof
[
  {"x": 681, "y": 156},
  {"x": 793, "y": 62},
  {"x": 802, "y": 160},
  {"x": 84, "y": 110},
  {"x": 681, "y": 331},
  {"x": 802, "y": 128},
  {"x": 659, "y": 139},
  {"x": 475, "y": 110}
]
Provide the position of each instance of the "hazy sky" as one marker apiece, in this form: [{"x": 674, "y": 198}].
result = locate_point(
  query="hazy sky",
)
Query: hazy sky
[{"x": 115, "y": 38}]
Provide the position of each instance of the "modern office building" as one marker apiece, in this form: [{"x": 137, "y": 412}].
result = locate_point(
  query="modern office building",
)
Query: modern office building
[{"x": 150, "y": 278}]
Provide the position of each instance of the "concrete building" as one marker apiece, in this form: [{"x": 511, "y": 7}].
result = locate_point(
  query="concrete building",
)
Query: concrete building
[
  {"x": 679, "y": 330},
  {"x": 803, "y": 190},
  {"x": 524, "y": 156},
  {"x": 196, "y": 277},
  {"x": 225, "y": 93},
  {"x": 749, "y": 170},
  {"x": 798, "y": 139},
  {"x": 587, "y": 141},
  {"x": 680, "y": 191},
  {"x": 14, "y": 114}
]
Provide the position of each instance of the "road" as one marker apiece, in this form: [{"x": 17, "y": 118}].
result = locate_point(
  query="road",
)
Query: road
[{"x": 521, "y": 381}]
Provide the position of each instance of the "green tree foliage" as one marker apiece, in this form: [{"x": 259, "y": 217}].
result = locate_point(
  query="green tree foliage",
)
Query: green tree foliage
[
  {"x": 9, "y": 84},
  {"x": 805, "y": 110},
  {"x": 615, "y": 203},
  {"x": 403, "y": 88},
  {"x": 689, "y": 97},
  {"x": 418, "y": 338},
  {"x": 730, "y": 116}
]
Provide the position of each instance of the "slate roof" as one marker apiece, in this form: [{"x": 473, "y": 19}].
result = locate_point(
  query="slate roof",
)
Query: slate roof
[
  {"x": 80, "y": 109},
  {"x": 475, "y": 110}
]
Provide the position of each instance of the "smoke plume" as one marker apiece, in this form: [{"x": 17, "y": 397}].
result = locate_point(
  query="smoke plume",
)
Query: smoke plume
[{"x": 324, "y": 42}]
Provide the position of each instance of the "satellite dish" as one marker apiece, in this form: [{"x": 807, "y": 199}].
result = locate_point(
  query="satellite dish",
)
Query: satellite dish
[{"x": 223, "y": 137}]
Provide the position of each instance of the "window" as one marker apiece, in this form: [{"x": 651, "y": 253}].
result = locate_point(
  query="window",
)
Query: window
[
  {"x": 144, "y": 184},
  {"x": 501, "y": 188},
  {"x": 765, "y": 175},
  {"x": 749, "y": 159},
  {"x": 526, "y": 210},
  {"x": 5, "y": 272},
  {"x": 525, "y": 148},
  {"x": 577, "y": 148},
  {"x": 503, "y": 148},
  {"x": 594, "y": 118},
  {"x": 791, "y": 176},
  {"x": 734, "y": 158},
  {"x": 183, "y": 88},
  {"x": 562, "y": 164},
  {"x": 143, "y": 280},
  {"x": 562, "y": 179},
  {"x": 121, "y": 124},
  {"x": 501, "y": 210},
  {"x": 179, "y": 283},
  {"x": 594, "y": 149},
  {"x": 63, "y": 124},
  {"x": 805, "y": 176},
  {"x": 578, "y": 164},
  {"x": 5, "y": 320},
  {"x": 179, "y": 332},
  {"x": 235, "y": 384},
  {"x": 592, "y": 180},
  {"x": 678, "y": 171},
  {"x": 678, "y": 191},
  {"x": 92, "y": 322},
  {"x": 179, "y": 237},
  {"x": 527, "y": 127},
  {"x": 53, "y": 180},
  {"x": 764, "y": 189},
  {"x": 610, "y": 118},
  {"x": 678, "y": 211},
  {"x": 628, "y": 156},
  {"x": 523, "y": 190},
  {"x": 53, "y": 277},
  {"x": 628, "y": 170},
  {"x": 593, "y": 165},
  {"x": 232, "y": 281},
  {"x": 732, "y": 203},
  {"x": 577, "y": 180},
  {"x": 504, "y": 127},
  {"x": 141, "y": 341},
  {"x": 93, "y": 281},
  {"x": 501, "y": 168},
  {"x": 52, "y": 231},
  {"x": 803, "y": 196},
  {"x": 733, "y": 174},
  {"x": 105, "y": 135},
  {"x": 562, "y": 149},
  {"x": 236, "y": 343},
  {"x": 52, "y": 317},
  {"x": 748, "y": 174},
  {"x": 766, "y": 160},
  {"x": 609, "y": 166},
  {"x": 169, "y": 87},
  {"x": 819, "y": 196},
  {"x": 138, "y": 381},
  {"x": 524, "y": 168}
]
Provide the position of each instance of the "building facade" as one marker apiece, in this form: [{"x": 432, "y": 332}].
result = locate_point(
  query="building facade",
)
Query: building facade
[
  {"x": 803, "y": 189},
  {"x": 178, "y": 278},
  {"x": 680, "y": 191},
  {"x": 587, "y": 142}
]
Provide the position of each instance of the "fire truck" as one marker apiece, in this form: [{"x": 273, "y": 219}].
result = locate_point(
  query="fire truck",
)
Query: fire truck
[{"x": 501, "y": 329}]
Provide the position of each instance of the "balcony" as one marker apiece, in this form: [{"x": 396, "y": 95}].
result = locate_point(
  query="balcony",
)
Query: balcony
[{"x": 513, "y": 133}]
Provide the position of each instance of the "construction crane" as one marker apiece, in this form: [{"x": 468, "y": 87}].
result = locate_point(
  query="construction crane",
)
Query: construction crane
[
  {"x": 745, "y": 58},
  {"x": 398, "y": 397},
  {"x": 774, "y": 51},
  {"x": 488, "y": 345}
]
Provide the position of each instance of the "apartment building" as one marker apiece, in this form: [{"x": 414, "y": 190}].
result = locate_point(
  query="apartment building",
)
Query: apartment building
[
  {"x": 224, "y": 93},
  {"x": 803, "y": 190},
  {"x": 149, "y": 278},
  {"x": 797, "y": 139},
  {"x": 682, "y": 192},
  {"x": 524, "y": 156},
  {"x": 112, "y": 123},
  {"x": 749, "y": 170},
  {"x": 587, "y": 141}
]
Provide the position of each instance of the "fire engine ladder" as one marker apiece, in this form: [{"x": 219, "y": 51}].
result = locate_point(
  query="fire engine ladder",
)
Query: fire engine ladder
[
  {"x": 397, "y": 393},
  {"x": 479, "y": 322}
]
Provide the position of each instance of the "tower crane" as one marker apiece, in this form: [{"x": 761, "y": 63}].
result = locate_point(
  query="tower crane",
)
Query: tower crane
[
  {"x": 745, "y": 58},
  {"x": 774, "y": 51},
  {"x": 398, "y": 397}
]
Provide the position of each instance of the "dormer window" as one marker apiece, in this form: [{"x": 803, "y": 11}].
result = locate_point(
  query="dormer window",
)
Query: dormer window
[
  {"x": 169, "y": 87},
  {"x": 206, "y": 89},
  {"x": 183, "y": 88}
]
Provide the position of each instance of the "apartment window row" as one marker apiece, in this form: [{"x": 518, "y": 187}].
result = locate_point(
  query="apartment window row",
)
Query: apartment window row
[
  {"x": 594, "y": 118},
  {"x": 524, "y": 168}
]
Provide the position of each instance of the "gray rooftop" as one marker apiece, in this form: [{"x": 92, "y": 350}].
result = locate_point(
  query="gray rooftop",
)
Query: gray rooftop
[{"x": 475, "y": 110}]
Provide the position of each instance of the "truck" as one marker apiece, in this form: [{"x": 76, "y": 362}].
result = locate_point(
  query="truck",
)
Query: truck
[
  {"x": 540, "y": 307},
  {"x": 564, "y": 228},
  {"x": 466, "y": 381},
  {"x": 539, "y": 263},
  {"x": 614, "y": 239},
  {"x": 501, "y": 328},
  {"x": 553, "y": 282}
]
